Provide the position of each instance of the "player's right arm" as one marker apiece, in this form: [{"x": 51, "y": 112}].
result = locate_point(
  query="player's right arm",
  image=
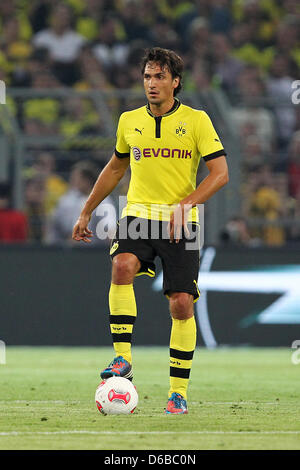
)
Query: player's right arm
[{"x": 108, "y": 179}]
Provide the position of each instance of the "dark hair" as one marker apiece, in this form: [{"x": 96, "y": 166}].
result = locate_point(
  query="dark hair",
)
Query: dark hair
[{"x": 165, "y": 58}]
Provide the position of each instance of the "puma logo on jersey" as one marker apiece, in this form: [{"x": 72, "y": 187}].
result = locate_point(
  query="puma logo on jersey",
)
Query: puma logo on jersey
[{"x": 138, "y": 130}]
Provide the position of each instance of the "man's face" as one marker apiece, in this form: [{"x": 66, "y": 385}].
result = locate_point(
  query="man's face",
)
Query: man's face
[
  {"x": 61, "y": 18},
  {"x": 158, "y": 83}
]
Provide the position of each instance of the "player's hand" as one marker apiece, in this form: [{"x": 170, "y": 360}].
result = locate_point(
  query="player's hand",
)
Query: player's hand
[
  {"x": 178, "y": 221},
  {"x": 81, "y": 232}
]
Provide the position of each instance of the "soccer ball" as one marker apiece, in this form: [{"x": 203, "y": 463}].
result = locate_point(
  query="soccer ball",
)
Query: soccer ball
[{"x": 116, "y": 396}]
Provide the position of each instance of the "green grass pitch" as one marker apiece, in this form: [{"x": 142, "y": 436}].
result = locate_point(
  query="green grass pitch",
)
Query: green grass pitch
[{"x": 238, "y": 399}]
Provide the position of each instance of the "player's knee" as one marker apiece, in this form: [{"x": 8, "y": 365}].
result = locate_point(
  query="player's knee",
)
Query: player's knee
[
  {"x": 181, "y": 305},
  {"x": 124, "y": 268}
]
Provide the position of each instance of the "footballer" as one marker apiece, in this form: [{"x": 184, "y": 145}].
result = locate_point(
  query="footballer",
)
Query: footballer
[{"x": 163, "y": 142}]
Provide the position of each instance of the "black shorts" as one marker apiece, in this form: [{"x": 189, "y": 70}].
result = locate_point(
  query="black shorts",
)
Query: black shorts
[{"x": 147, "y": 239}]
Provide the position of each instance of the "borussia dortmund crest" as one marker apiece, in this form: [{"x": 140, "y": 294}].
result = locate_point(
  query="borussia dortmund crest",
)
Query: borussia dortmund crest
[{"x": 181, "y": 129}]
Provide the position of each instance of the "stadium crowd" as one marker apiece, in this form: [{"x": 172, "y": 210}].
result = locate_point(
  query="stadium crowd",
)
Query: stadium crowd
[{"x": 248, "y": 48}]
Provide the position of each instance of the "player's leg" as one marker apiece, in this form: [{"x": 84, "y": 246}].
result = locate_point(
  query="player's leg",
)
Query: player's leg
[
  {"x": 130, "y": 257},
  {"x": 122, "y": 302},
  {"x": 122, "y": 306},
  {"x": 180, "y": 268},
  {"x": 182, "y": 346}
]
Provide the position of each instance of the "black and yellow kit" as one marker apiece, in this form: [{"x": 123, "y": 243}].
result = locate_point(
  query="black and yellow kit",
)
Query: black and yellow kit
[
  {"x": 164, "y": 154},
  {"x": 180, "y": 261}
]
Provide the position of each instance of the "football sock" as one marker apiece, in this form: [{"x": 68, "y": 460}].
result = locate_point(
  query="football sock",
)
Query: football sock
[
  {"x": 122, "y": 316},
  {"x": 182, "y": 346}
]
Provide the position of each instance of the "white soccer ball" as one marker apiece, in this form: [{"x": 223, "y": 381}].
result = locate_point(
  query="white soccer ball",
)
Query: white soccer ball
[{"x": 116, "y": 396}]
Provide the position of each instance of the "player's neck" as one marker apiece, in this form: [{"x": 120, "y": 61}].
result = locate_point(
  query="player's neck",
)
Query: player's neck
[{"x": 162, "y": 108}]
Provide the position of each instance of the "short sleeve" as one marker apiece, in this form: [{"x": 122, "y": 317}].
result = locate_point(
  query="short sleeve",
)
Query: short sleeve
[
  {"x": 122, "y": 149},
  {"x": 208, "y": 141}
]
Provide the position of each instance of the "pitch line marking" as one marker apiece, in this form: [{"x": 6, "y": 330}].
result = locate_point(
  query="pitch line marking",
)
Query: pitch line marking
[
  {"x": 54, "y": 402},
  {"x": 235, "y": 403},
  {"x": 65, "y": 402},
  {"x": 134, "y": 433}
]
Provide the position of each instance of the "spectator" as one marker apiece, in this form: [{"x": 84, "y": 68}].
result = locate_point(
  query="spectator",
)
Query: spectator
[
  {"x": 92, "y": 75},
  {"x": 55, "y": 186},
  {"x": 13, "y": 223},
  {"x": 249, "y": 48},
  {"x": 16, "y": 50},
  {"x": 198, "y": 37},
  {"x": 63, "y": 43},
  {"x": 39, "y": 61},
  {"x": 199, "y": 78},
  {"x": 261, "y": 19},
  {"x": 267, "y": 205},
  {"x": 12, "y": 42},
  {"x": 220, "y": 16},
  {"x": 294, "y": 229},
  {"x": 46, "y": 109},
  {"x": 293, "y": 167},
  {"x": 39, "y": 14},
  {"x": 255, "y": 15},
  {"x": 250, "y": 110},
  {"x": 225, "y": 66},
  {"x": 243, "y": 47},
  {"x": 7, "y": 9},
  {"x": 287, "y": 43},
  {"x": 82, "y": 178},
  {"x": 34, "y": 127},
  {"x": 110, "y": 49},
  {"x": 236, "y": 232},
  {"x": 163, "y": 35},
  {"x": 89, "y": 19},
  {"x": 181, "y": 14},
  {"x": 10, "y": 9},
  {"x": 133, "y": 20},
  {"x": 134, "y": 60},
  {"x": 35, "y": 208},
  {"x": 80, "y": 118},
  {"x": 279, "y": 86},
  {"x": 254, "y": 155}
]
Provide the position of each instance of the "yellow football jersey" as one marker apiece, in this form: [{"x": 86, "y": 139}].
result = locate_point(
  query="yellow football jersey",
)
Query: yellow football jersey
[{"x": 164, "y": 156}]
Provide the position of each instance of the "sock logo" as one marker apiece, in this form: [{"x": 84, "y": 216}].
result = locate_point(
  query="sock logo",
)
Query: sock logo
[{"x": 175, "y": 362}]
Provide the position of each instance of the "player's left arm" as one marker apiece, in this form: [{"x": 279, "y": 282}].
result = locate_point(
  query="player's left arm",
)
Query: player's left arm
[{"x": 214, "y": 181}]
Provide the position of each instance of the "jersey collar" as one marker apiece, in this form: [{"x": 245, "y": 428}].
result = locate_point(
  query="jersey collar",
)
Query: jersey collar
[{"x": 174, "y": 108}]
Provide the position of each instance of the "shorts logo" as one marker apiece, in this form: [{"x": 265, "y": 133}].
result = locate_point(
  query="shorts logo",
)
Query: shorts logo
[
  {"x": 136, "y": 153},
  {"x": 114, "y": 248}
]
